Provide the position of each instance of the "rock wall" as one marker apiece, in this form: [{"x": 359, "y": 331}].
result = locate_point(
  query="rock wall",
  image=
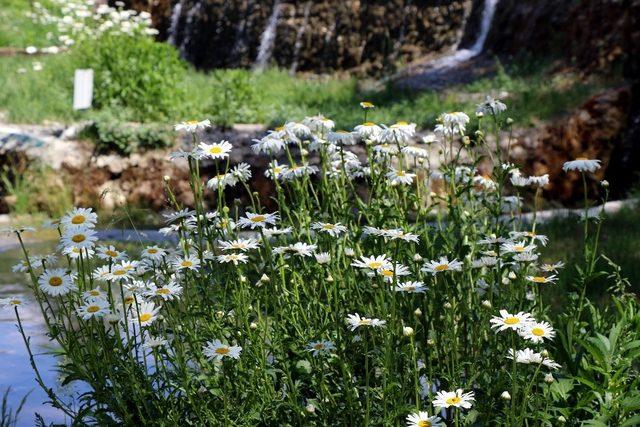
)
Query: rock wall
[{"x": 321, "y": 36}]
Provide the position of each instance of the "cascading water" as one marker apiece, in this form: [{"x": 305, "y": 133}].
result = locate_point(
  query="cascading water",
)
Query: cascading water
[
  {"x": 461, "y": 55},
  {"x": 268, "y": 38},
  {"x": 175, "y": 22}
]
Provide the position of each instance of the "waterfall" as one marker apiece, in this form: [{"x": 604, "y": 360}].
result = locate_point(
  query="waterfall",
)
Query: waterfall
[
  {"x": 461, "y": 55},
  {"x": 189, "y": 28},
  {"x": 268, "y": 39},
  {"x": 298, "y": 45},
  {"x": 175, "y": 22}
]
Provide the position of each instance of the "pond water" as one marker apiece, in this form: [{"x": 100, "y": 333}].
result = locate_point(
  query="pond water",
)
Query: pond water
[{"x": 16, "y": 370}]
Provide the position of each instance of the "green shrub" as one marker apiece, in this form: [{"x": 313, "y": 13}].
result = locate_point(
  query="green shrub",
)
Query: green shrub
[
  {"x": 135, "y": 73},
  {"x": 233, "y": 96},
  {"x": 113, "y": 134}
]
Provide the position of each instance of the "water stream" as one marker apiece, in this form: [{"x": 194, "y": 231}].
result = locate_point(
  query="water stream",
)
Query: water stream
[{"x": 268, "y": 38}]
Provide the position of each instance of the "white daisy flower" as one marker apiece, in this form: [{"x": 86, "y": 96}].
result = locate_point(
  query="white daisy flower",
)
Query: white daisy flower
[
  {"x": 539, "y": 181},
  {"x": 423, "y": 419},
  {"x": 411, "y": 287},
  {"x": 355, "y": 321},
  {"x": 187, "y": 263},
  {"x": 145, "y": 313},
  {"x": 56, "y": 282},
  {"x": 399, "y": 234},
  {"x": 154, "y": 253},
  {"x": 527, "y": 356},
  {"x": 269, "y": 144},
  {"x": 79, "y": 237},
  {"x": 94, "y": 293},
  {"x": 341, "y": 137},
  {"x": 458, "y": 399},
  {"x": 510, "y": 321},
  {"x": 234, "y": 258},
  {"x": 220, "y": 182},
  {"x": 531, "y": 234},
  {"x": 537, "y": 332},
  {"x": 368, "y": 130},
  {"x": 372, "y": 263},
  {"x": 542, "y": 279},
  {"x": 549, "y": 268},
  {"x": 110, "y": 253},
  {"x": 443, "y": 264},
  {"x": 80, "y": 217},
  {"x": 242, "y": 172},
  {"x": 322, "y": 257},
  {"x": 334, "y": 230},
  {"x": 97, "y": 307},
  {"x": 216, "y": 350},
  {"x": 276, "y": 171},
  {"x": 243, "y": 245},
  {"x": 400, "y": 177},
  {"x": 391, "y": 271},
  {"x": 192, "y": 125},
  {"x": 11, "y": 302},
  {"x": 517, "y": 247},
  {"x": 253, "y": 220},
  {"x": 74, "y": 252},
  {"x": 153, "y": 342},
  {"x": 319, "y": 124},
  {"x": 582, "y": 164},
  {"x": 320, "y": 347},
  {"x": 167, "y": 292},
  {"x": 217, "y": 150}
]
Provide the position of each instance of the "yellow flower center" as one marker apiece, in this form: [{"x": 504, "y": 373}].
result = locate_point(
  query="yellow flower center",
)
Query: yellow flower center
[
  {"x": 78, "y": 219},
  {"x": 152, "y": 251},
  {"x": 93, "y": 308},
  {"x": 277, "y": 170},
  {"x": 318, "y": 346},
  {"x": 375, "y": 264},
  {"x": 186, "y": 263},
  {"x": 368, "y": 124},
  {"x": 400, "y": 173},
  {"x": 163, "y": 291},
  {"x": 328, "y": 226},
  {"x": 539, "y": 332},
  {"x": 366, "y": 104},
  {"x": 191, "y": 122},
  {"x": 119, "y": 272},
  {"x": 111, "y": 253},
  {"x": 511, "y": 321},
  {"x": 55, "y": 281},
  {"x": 424, "y": 423},
  {"x": 258, "y": 218},
  {"x": 518, "y": 248},
  {"x": 453, "y": 400},
  {"x": 222, "y": 350},
  {"x": 215, "y": 149},
  {"x": 94, "y": 293},
  {"x": 15, "y": 302},
  {"x": 365, "y": 322},
  {"x": 539, "y": 279},
  {"x": 145, "y": 317},
  {"x": 402, "y": 123},
  {"x": 442, "y": 267},
  {"x": 79, "y": 238},
  {"x": 386, "y": 272},
  {"x": 581, "y": 158},
  {"x": 128, "y": 300}
]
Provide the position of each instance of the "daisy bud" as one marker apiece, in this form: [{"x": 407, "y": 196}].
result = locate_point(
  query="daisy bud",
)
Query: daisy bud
[
  {"x": 304, "y": 152},
  {"x": 310, "y": 408},
  {"x": 407, "y": 331},
  {"x": 264, "y": 278},
  {"x": 349, "y": 252},
  {"x": 512, "y": 275},
  {"x": 330, "y": 278},
  {"x": 466, "y": 140},
  {"x": 253, "y": 325},
  {"x": 486, "y": 304},
  {"x": 505, "y": 280},
  {"x": 431, "y": 342},
  {"x": 479, "y": 133},
  {"x": 479, "y": 114},
  {"x": 417, "y": 257},
  {"x": 225, "y": 209},
  {"x": 418, "y": 312},
  {"x": 242, "y": 279},
  {"x": 509, "y": 121},
  {"x": 447, "y": 305},
  {"x": 544, "y": 353},
  {"x": 166, "y": 178},
  {"x": 505, "y": 395},
  {"x": 604, "y": 183},
  {"x": 562, "y": 419},
  {"x": 219, "y": 314},
  {"x": 548, "y": 378}
]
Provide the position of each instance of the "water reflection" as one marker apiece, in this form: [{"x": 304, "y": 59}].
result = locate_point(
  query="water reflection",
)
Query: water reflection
[{"x": 16, "y": 370}]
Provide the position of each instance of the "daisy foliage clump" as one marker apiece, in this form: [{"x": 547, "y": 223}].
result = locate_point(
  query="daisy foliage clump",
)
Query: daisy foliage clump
[{"x": 378, "y": 291}]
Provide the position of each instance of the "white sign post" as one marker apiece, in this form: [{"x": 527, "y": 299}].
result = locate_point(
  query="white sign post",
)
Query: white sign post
[{"x": 82, "y": 89}]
